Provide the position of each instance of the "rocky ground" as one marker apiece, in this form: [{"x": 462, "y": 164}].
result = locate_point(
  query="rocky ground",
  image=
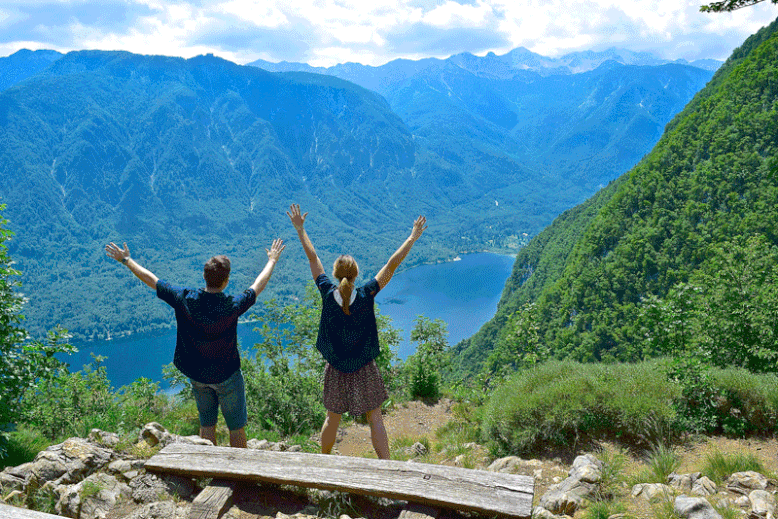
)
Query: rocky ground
[{"x": 102, "y": 476}]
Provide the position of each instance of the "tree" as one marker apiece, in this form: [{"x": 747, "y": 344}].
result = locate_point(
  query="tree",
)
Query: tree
[
  {"x": 23, "y": 362},
  {"x": 423, "y": 367},
  {"x": 730, "y": 5}
]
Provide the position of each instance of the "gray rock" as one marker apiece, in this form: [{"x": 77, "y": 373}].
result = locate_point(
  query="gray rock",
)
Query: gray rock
[
  {"x": 158, "y": 510},
  {"x": 189, "y": 440},
  {"x": 587, "y": 468},
  {"x": 695, "y": 508},
  {"x": 149, "y": 488},
  {"x": 652, "y": 491},
  {"x": 419, "y": 449},
  {"x": 541, "y": 513},
  {"x": 683, "y": 482},
  {"x": 295, "y": 448},
  {"x": 704, "y": 486},
  {"x": 258, "y": 444},
  {"x": 153, "y": 434},
  {"x": 93, "y": 497},
  {"x": 762, "y": 503},
  {"x": 67, "y": 463},
  {"x": 10, "y": 482},
  {"x": 742, "y": 502},
  {"x": 279, "y": 447},
  {"x": 105, "y": 439},
  {"x": 509, "y": 464},
  {"x": 561, "y": 503},
  {"x": 745, "y": 482}
]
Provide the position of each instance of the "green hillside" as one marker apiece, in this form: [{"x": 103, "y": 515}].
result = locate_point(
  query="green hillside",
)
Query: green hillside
[{"x": 692, "y": 228}]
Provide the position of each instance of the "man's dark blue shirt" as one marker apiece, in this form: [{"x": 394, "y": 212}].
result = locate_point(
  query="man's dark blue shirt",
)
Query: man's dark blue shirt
[{"x": 207, "y": 330}]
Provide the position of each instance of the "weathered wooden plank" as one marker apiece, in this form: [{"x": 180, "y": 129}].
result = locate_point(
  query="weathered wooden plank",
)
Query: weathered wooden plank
[
  {"x": 432, "y": 485},
  {"x": 213, "y": 501},
  {"x": 11, "y": 512},
  {"x": 417, "y": 511}
]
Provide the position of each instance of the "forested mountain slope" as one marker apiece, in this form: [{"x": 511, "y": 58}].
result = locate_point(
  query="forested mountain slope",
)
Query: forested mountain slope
[
  {"x": 23, "y": 64},
  {"x": 699, "y": 211}
]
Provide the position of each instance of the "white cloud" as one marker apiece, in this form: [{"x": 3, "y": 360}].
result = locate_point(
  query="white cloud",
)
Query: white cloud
[{"x": 325, "y": 32}]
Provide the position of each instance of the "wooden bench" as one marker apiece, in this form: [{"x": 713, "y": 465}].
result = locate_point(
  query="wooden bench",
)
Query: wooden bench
[
  {"x": 11, "y": 512},
  {"x": 487, "y": 493}
]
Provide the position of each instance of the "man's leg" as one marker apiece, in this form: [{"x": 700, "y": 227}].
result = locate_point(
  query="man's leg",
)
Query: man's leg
[
  {"x": 209, "y": 433},
  {"x": 232, "y": 398},
  {"x": 329, "y": 432},
  {"x": 207, "y": 408},
  {"x": 238, "y": 438},
  {"x": 378, "y": 433}
]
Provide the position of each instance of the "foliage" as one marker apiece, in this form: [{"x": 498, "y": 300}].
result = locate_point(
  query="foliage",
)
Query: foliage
[
  {"x": 729, "y": 5},
  {"x": 423, "y": 368},
  {"x": 719, "y": 466},
  {"x": 519, "y": 344},
  {"x": 24, "y": 363},
  {"x": 662, "y": 461},
  {"x": 563, "y": 404}
]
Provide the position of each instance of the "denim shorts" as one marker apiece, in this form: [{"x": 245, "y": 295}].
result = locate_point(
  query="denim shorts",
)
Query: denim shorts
[{"x": 230, "y": 395}]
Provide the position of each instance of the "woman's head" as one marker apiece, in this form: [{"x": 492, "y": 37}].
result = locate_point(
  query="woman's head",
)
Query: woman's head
[{"x": 345, "y": 270}]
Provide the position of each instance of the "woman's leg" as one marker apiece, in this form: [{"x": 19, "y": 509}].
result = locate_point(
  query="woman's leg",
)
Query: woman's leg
[
  {"x": 329, "y": 432},
  {"x": 378, "y": 433}
]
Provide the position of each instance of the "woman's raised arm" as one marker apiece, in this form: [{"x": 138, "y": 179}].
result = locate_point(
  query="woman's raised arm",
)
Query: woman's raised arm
[
  {"x": 298, "y": 221},
  {"x": 386, "y": 273}
]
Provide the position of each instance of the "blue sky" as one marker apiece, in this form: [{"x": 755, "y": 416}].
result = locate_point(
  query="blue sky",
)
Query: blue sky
[{"x": 373, "y": 32}]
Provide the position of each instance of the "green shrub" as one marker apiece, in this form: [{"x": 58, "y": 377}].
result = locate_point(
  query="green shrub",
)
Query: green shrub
[
  {"x": 719, "y": 466},
  {"x": 559, "y": 404}
]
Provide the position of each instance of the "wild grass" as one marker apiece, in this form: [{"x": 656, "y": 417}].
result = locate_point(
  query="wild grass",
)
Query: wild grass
[{"x": 719, "y": 466}]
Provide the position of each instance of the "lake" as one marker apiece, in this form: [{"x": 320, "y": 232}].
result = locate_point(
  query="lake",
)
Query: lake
[{"x": 462, "y": 293}]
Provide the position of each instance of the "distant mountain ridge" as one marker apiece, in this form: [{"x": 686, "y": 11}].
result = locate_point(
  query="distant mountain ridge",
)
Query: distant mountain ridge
[
  {"x": 496, "y": 66},
  {"x": 23, "y": 64}
]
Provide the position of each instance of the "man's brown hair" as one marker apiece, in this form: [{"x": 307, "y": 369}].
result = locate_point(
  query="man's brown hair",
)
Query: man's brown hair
[{"x": 216, "y": 271}]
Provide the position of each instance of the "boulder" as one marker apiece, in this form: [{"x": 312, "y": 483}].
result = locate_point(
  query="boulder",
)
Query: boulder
[
  {"x": 762, "y": 503},
  {"x": 153, "y": 434},
  {"x": 258, "y": 444},
  {"x": 704, "y": 486},
  {"x": 92, "y": 498},
  {"x": 694, "y": 508},
  {"x": 106, "y": 439},
  {"x": 683, "y": 482},
  {"x": 582, "y": 484},
  {"x": 159, "y": 510},
  {"x": 67, "y": 463},
  {"x": 744, "y": 482},
  {"x": 509, "y": 464},
  {"x": 652, "y": 491},
  {"x": 149, "y": 488}
]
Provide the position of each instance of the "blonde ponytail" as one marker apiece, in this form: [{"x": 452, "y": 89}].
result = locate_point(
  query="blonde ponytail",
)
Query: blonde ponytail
[{"x": 346, "y": 270}]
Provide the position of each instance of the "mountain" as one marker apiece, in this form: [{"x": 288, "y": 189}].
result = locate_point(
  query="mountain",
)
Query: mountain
[
  {"x": 583, "y": 119},
  {"x": 23, "y": 64},
  {"x": 690, "y": 231},
  {"x": 184, "y": 159}
]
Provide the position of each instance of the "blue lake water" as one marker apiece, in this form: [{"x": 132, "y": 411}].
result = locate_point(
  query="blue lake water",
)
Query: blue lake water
[{"x": 462, "y": 293}]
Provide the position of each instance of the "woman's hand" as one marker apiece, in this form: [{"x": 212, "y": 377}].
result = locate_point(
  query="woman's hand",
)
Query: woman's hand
[
  {"x": 275, "y": 249},
  {"x": 298, "y": 220},
  {"x": 419, "y": 226}
]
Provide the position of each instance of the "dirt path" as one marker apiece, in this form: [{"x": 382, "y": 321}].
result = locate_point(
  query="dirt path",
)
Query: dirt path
[{"x": 409, "y": 420}]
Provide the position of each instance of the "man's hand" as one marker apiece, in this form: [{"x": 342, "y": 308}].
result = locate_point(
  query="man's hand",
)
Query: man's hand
[
  {"x": 112, "y": 250},
  {"x": 298, "y": 220},
  {"x": 419, "y": 226},
  {"x": 275, "y": 249}
]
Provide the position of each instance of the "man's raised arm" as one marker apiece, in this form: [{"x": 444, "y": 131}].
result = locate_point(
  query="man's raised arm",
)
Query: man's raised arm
[
  {"x": 272, "y": 258},
  {"x": 123, "y": 256}
]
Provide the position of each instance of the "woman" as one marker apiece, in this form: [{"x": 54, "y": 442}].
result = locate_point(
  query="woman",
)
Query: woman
[{"x": 348, "y": 337}]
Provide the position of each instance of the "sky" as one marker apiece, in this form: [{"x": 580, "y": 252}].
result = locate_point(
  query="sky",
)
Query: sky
[{"x": 374, "y": 32}]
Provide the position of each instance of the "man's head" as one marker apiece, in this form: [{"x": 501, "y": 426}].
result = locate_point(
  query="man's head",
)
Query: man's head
[{"x": 217, "y": 272}]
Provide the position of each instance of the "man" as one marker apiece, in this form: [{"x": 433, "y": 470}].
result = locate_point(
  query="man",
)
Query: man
[{"x": 207, "y": 336}]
